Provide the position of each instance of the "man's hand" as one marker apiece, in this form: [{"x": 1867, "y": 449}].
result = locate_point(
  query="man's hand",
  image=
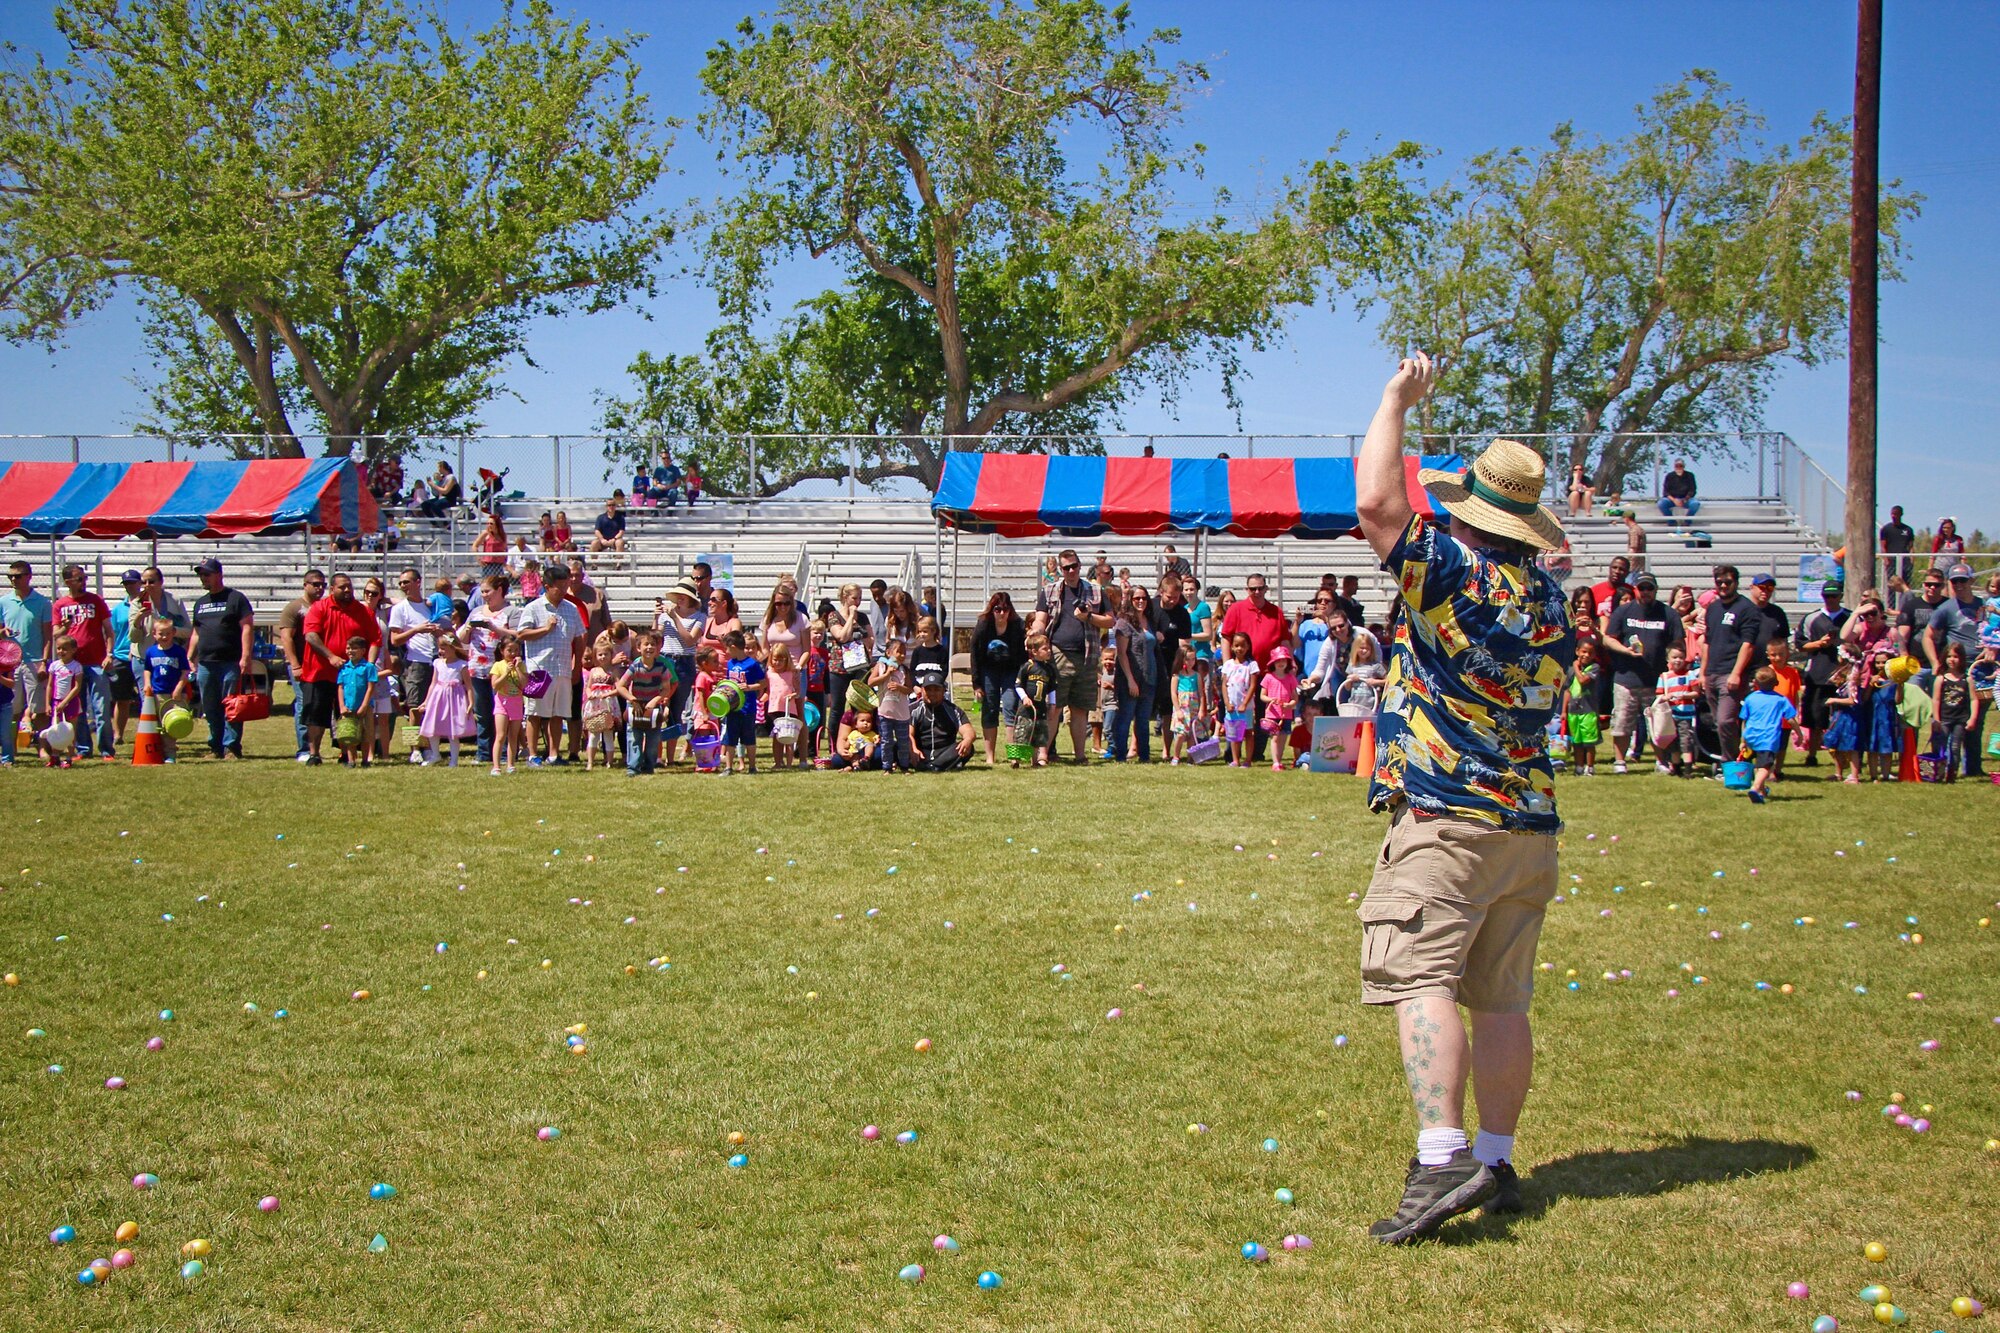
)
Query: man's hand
[
  {"x": 1735, "y": 682},
  {"x": 1414, "y": 378}
]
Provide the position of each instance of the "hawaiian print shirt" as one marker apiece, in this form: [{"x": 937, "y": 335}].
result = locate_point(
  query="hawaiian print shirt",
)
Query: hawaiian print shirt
[{"x": 1476, "y": 671}]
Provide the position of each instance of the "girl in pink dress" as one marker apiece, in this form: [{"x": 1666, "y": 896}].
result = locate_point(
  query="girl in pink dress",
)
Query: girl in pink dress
[
  {"x": 448, "y": 707},
  {"x": 1281, "y": 700}
]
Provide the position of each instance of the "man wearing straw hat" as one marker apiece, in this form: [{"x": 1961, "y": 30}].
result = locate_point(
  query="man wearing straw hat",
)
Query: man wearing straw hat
[{"x": 1482, "y": 645}]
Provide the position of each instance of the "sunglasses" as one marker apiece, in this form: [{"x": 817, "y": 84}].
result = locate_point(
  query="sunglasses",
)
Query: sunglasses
[{"x": 1071, "y": 569}]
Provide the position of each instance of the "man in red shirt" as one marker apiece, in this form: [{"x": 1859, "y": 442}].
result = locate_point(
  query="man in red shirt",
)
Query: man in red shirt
[
  {"x": 329, "y": 624},
  {"x": 86, "y": 618},
  {"x": 1268, "y": 627}
]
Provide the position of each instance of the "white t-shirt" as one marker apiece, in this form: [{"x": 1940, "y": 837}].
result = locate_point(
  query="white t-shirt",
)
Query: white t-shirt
[
  {"x": 485, "y": 644},
  {"x": 550, "y": 652},
  {"x": 410, "y": 614}
]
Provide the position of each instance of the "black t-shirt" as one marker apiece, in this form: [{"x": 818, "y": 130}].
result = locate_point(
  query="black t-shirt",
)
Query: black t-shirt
[
  {"x": 1916, "y": 618},
  {"x": 1897, "y": 538},
  {"x": 1678, "y": 486},
  {"x": 1730, "y": 624},
  {"x": 610, "y": 525},
  {"x": 1066, "y": 630},
  {"x": 934, "y": 729},
  {"x": 936, "y": 654},
  {"x": 1657, "y": 627},
  {"x": 218, "y": 619},
  {"x": 1352, "y": 609},
  {"x": 1777, "y": 624},
  {"x": 1821, "y": 663},
  {"x": 1175, "y": 628}
]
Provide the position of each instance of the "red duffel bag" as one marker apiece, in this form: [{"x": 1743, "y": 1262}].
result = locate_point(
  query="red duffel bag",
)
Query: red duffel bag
[{"x": 250, "y": 704}]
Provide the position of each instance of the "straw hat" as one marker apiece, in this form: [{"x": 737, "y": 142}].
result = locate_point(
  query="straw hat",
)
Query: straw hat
[
  {"x": 1500, "y": 493},
  {"x": 685, "y": 588}
]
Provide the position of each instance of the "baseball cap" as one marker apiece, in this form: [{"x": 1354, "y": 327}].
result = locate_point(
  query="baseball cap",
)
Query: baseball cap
[
  {"x": 209, "y": 566},
  {"x": 1833, "y": 586},
  {"x": 1763, "y": 581},
  {"x": 1961, "y": 570},
  {"x": 1645, "y": 580},
  {"x": 131, "y": 576},
  {"x": 930, "y": 673}
]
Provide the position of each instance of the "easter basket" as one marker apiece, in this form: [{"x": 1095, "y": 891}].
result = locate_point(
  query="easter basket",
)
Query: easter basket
[{"x": 1933, "y": 768}]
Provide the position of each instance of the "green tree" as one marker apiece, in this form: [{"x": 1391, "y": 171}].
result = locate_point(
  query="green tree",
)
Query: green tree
[
  {"x": 331, "y": 205},
  {"x": 1595, "y": 290},
  {"x": 996, "y": 182}
]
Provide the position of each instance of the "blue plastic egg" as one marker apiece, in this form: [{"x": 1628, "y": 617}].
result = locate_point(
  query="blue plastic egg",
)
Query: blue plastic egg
[
  {"x": 911, "y": 1273},
  {"x": 1826, "y": 1323},
  {"x": 193, "y": 1269},
  {"x": 62, "y": 1235},
  {"x": 1270, "y": 1145},
  {"x": 381, "y": 1190},
  {"x": 1254, "y": 1252},
  {"x": 88, "y": 1277},
  {"x": 740, "y": 1160},
  {"x": 990, "y": 1280}
]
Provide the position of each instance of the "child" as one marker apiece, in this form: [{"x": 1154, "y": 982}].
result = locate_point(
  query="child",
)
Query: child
[
  {"x": 1843, "y": 728},
  {"x": 561, "y": 538},
  {"x": 1778, "y": 655},
  {"x": 1281, "y": 699},
  {"x": 861, "y": 741},
  {"x": 600, "y": 705},
  {"x": 646, "y": 688},
  {"x": 930, "y": 648},
  {"x": 785, "y": 707},
  {"x": 355, "y": 731},
  {"x": 1766, "y": 715},
  {"x": 1680, "y": 688},
  {"x": 1883, "y": 737},
  {"x": 1034, "y": 729},
  {"x": 1107, "y": 696},
  {"x": 1951, "y": 711},
  {"x": 448, "y": 706},
  {"x": 66, "y": 681},
  {"x": 531, "y": 580},
  {"x": 739, "y": 729},
  {"x": 891, "y": 683},
  {"x": 1187, "y": 700},
  {"x": 510, "y": 706},
  {"x": 1583, "y": 727},
  {"x": 694, "y": 482},
  {"x": 439, "y": 602},
  {"x": 165, "y": 678},
  {"x": 1239, "y": 677},
  {"x": 707, "y": 675}
]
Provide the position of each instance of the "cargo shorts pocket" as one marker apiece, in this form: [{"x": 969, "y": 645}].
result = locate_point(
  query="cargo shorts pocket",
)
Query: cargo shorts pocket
[{"x": 1390, "y": 924}]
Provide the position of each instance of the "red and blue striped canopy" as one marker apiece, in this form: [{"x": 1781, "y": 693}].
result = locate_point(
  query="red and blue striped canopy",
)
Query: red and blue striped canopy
[
  {"x": 1030, "y": 495},
  {"x": 221, "y": 499}
]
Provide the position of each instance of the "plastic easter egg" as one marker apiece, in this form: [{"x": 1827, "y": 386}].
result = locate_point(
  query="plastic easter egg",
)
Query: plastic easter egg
[
  {"x": 1114, "y": 1013},
  {"x": 198, "y": 1248},
  {"x": 548, "y": 1133},
  {"x": 739, "y": 1161},
  {"x": 737, "y": 1138},
  {"x": 1270, "y": 1145},
  {"x": 1298, "y": 1242},
  {"x": 1254, "y": 1252},
  {"x": 1875, "y": 1251},
  {"x": 155, "y": 1044},
  {"x": 126, "y": 1233},
  {"x": 268, "y": 1204},
  {"x": 870, "y": 1133},
  {"x": 1282, "y": 1195},
  {"x": 1197, "y": 1128},
  {"x": 990, "y": 1281},
  {"x": 1798, "y": 1291},
  {"x": 1826, "y": 1323},
  {"x": 282, "y": 1013},
  {"x": 114, "y": 1083},
  {"x": 1967, "y": 1307},
  {"x": 62, "y": 1235},
  {"x": 1340, "y": 1041},
  {"x": 378, "y": 1244},
  {"x": 923, "y": 1044},
  {"x": 380, "y": 1190},
  {"x": 101, "y": 1267},
  {"x": 911, "y": 1273},
  {"x": 166, "y": 1015},
  {"x": 123, "y": 1259},
  {"x": 907, "y": 1137},
  {"x": 944, "y": 1245},
  {"x": 1874, "y": 1295},
  {"x": 145, "y": 1180},
  {"x": 88, "y": 1277},
  {"x": 1886, "y": 1313},
  {"x": 193, "y": 1269}
]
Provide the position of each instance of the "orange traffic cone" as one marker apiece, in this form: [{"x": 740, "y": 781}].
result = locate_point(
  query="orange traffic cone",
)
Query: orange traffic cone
[
  {"x": 1364, "y": 753},
  {"x": 149, "y": 748}
]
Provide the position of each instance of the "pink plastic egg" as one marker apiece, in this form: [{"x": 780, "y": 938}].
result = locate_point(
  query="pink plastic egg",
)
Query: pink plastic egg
[
  {"x": 268, "y": 1204},
  {"x": 156, "y": 1044},
  {"x": 871, "y": 1132},
  {"x": 1798, "y": 1291}
]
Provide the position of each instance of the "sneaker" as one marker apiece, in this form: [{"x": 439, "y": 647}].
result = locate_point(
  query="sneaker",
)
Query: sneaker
[
  {"x": 1507, "y": 1193},
  {"x": 302, "y": 756},
  {"x": 1757, "y": 798},
  {"x": 1433, "y": 1195},
  {"x": 416, "y": 756},
  {"x": 1812, "y": 761},
  {"x": 313, "y": 760},
  {"x": 495, "y": 772},
  {"x": 1618, "y": 766},
  {"x": 1662, "y": 768},
  {"x": 534, "y": 761}
]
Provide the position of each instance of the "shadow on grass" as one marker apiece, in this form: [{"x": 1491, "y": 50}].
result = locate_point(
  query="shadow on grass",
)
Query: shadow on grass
[{"x": 1638, "y": 1173}]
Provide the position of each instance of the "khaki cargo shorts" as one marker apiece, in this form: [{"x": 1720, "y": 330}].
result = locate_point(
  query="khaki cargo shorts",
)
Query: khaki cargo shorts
[{"x": 1455, "y": 909}]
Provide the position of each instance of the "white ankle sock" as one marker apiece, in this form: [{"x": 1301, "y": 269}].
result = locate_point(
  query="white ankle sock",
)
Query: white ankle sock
[
  {"x": 1436, "y": 1146},
  {"x": 1493, "y": 1149}
]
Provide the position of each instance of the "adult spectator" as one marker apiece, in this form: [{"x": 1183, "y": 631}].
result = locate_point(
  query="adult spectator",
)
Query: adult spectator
[
  {"x": 724, "y": 619},
  {"x": 1174, "y": 626},
  {"x": 1348, "y": 600},
  {"x": 1201, "y": 618},
  {"x": 1325, "y": 666},
  {"x": 680, "y": 618},
  {"x": 28, "y": 618},
  {"x": 86, "y": 618},
  {"x": 1174, "y": 563},
  {"x": 552, "y": 635},
  {"x": 491, "y": 544},
  {"x": 1914, "y": 620},
  {"x": 1956, "y": 620},
  {"x": 1947, "y": 547},
  {"x": 123, "y": 668},
  {"x": 1071, "y": 612},
  {"x": 1456, "y": 903},
  {"x": 291, "y": 636},
  {"x": 1897, "y": 595},
  {"x": 610, "y": 533},
  {"x": 1677, "y": 500},
  {"x": 1736, "y": 631},
  {"x": 1604, "y": 596},
  {"x": 666, "y": 480},
  {"x": 590, "y": 600},
  {"x": 1818, "y": 641},
  {"x": 375, "y": 596},
  {"x": 1138, "y": 676},
  {"x": 850, "y": 637},
  {"x": 940, "y": 732},
  {"x": 1101, "y": 571},
  {"x": 1777, "y": 622},
  {"x": 1897, "y": 538},
  {"x": 900, "y": 621},
  {"x": 1636, "y": 640},
  {"x": 445, "y": 493},
  {"x": 1315, "y": 627},
  {"x": 330, "y": 624},
  {"x": 1635, "y": 540},
  {"x": 413, "y": 636},
  {"x": 1260, "y": 618},
  {"x": 159, "y": 605},
  {"x": 878, "y": 610},
  {"x": 1582, "y": 495},
  {"x": 999, "y": 649},
  {"x": 385, "y": 475},
  {"x": 225, "y": 626},
  {"x": 488, "y": 625},
  {"x": 784, "y": 622}
]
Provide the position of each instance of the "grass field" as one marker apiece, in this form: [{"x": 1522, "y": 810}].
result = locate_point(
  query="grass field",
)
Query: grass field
[{"x": 1687, "y": 1157}]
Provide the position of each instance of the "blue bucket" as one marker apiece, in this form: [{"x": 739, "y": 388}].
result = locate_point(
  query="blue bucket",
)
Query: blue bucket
[{"x": 1737, "y": 775}]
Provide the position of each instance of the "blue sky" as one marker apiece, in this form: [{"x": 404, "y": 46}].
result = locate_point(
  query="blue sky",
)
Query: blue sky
[{"x": 1458, "y": 77}]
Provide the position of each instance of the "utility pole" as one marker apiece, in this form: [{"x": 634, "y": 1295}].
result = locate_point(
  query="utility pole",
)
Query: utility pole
[{"x": 1861, "y": 275}]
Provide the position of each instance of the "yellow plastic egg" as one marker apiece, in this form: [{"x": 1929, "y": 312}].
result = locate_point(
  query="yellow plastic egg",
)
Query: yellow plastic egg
[
  {"x": 1875, "y": 1251},
  {"x": 197, "y": 1248},
  {"x": 737, "y": 1138},
  {"x": 480, "y": 975},
  {"x": 13, "y": 980},
  {"x": 923, "y": 1044},
  {"x": 548, "y": 962},
  {"x": 127, "y": 1233}
]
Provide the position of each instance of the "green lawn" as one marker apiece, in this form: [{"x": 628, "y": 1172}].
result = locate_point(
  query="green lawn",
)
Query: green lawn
[{"x": 1688, "y": 1156}]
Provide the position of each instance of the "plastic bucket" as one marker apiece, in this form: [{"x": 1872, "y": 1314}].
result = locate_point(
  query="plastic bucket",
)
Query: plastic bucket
[
  {"x": 1737, "y": 775},
  {"x": 728, "y": 697},
  {"x": 178, "y": 723},
  {"x": 707, "y": 751},
  {"x": 813, "y": 718}
]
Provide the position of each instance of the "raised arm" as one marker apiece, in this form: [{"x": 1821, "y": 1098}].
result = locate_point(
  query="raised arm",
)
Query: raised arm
[{"x": 1381, "y": 492}]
